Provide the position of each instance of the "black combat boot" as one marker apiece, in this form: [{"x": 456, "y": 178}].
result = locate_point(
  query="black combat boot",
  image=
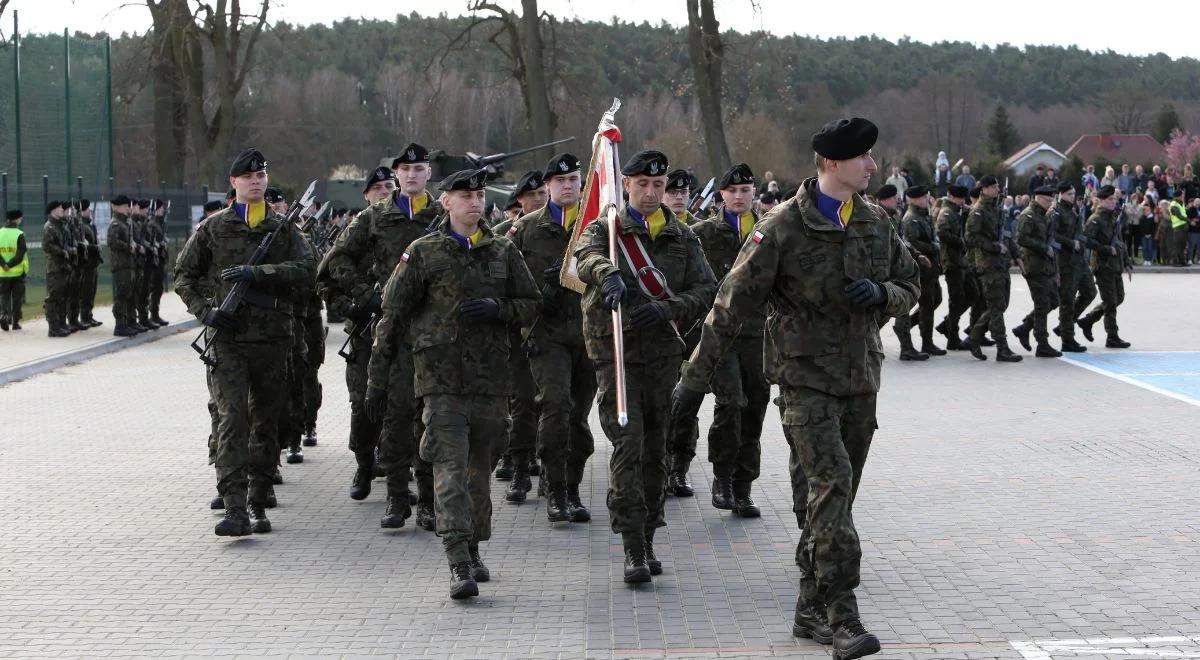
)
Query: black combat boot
[
  {"x": 679, "y": 484},
  {"x": 651, "y": 560},
  {"x": 258, "y": 519},
  {"x": 518, "y": 489},
  {"x": 743, "y": 504},
  {"x": 505, "y": 470},
  {"x": 1005, "y": 354},
  {"x": 810, "y": 622},
  {"x": 378, "y": 471},
  {"x": 235, "y": 523},
  {"x": 1045, "y": 350},
  {"x": 557, "y": 509},
  {"x": 360, "y": 485},
  {"x": 1085, "y": 325},
  {"x": 398, "y": 509},
  {"x": 907, "y": 352},
  {"x": 462, "y": 584},
  {"x": 426, "y": 518},
  {"x": 637, "y": 570},
  {"x": 576, "y": 511},
  {"x": 277, "y": 477},
  {"x": 479, "y": 571},
  {"x": 124, "y": 331},
  {"x": 976, "y": 351},
  {"x": 1115, "y": 341},
  {"x": 987, "y": 342},
  {"x": 57, "y": 330},
  {"x": 930, "y": 348},
  {"x": 75, "y": 326},
  {"x": 851, "y": 640},
  {"x": 1072, "y": 346},
  {"x": 310, "y": 437},
  {"x": 4, "y": 323},
  {"x": 294, "y": 454},
  {"x": 535, "y": 468},
  {"x": 217, "y": 503},
  {"x": 158, "y": 320},
  {"x": 91, "y": 320},
  {"x": 1021, "y": 332},
  {"x": 722, "y": 493},
  {"x": 271, "y": 501}
]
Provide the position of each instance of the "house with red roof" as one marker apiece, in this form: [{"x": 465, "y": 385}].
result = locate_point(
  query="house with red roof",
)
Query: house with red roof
[{"x": 1115, "y": 148}]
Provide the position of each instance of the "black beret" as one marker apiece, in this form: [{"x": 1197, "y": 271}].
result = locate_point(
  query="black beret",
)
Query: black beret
[
  {"x": 512, "y": 201},
  {"x": 529, "y": 181},
  {"x": 679, "y": 179},
  {"x": 464, "y": 180},
  {"x": 561, "y": 164},
  {"x": 380, "y": 173},
  {"x": 646, "y": 163},
  {"x": 1063, "y": 187},
  {"x": 143, "y": 203},
  {"x": 13, "y": 214},
  {"x": 957, "y": 190},
  {"x": 987, "y": 180},
  {"x": 913, "y": 192},
  {"x": 83, "y": 204},
  {"x": 1105, "y": 192},
  {"x": 977, "y": 192},
  {"x": 886, "y": 191},
  {"x": 737, "y": 175},
  {"x": 354, "y": 211},
  {"x": 273, "y": 195},
  {"x": 214, "y": 205},
  {"x": 1045, "y": 190},
  {"x": 769, "y": 198},
  {"x": 120, "y": 200},
  {"x": 54, "y": 204},
  {"x": 250, "y": 160},
  {"x": 413, "y": 153},
  {"x": 66, "y": 205},
  {"x": 845, "y": 138}
]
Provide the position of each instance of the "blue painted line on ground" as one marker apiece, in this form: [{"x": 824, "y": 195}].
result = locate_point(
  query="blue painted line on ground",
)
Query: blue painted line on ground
[{"x": 1171, "y": 373}]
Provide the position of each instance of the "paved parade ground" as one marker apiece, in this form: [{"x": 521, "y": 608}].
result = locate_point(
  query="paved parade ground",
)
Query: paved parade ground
[{"x": 1040, "y": 510}]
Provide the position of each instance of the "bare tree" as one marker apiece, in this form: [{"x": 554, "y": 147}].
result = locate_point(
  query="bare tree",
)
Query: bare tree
[
  {"x": 707, "y": 54},
  {"x": 172, "y": 19},
  {"x": 1127, "y": 108}
]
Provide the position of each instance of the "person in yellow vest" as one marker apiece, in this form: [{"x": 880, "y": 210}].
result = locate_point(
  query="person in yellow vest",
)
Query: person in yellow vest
[
  {"x": 1179, "y": 229},
  {"x": 14, "y": 265}
]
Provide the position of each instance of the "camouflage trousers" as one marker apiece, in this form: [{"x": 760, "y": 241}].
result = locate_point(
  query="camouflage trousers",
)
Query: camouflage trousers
[
  {"x": 458, "y": 443},
  {"x": 742, "y": 394},
  {"x": 637, "y": 487},
  {"x": 829, "y": 437},
  {"x": 522, "y": 438},
  {"x": 1112, "y": 294},
  {"x": 156, "y": 278},
  {"x": 683, "y": 434},
  {"x": 291, "y": 418},
  {"x": 87, "y": 291},
  {"x": 566, "y": 388},
  {"x": 313, "y": 391},
  {"x": 963, "y": 292},
  {"x": 71, "y": 303},
  {"x": 58, "y": 287},
  {"x": 141, "y": 296},
  {"x": 995, "y": 287},
  {"x": 245, "y": 385},
  {"x": 1076, "y": 290},
  {"x": 931, "y": 298},
  {"x": 123, "y": 285},
  {"x": 1044, "y": 291},
  {"x": 12, "y": 297}
]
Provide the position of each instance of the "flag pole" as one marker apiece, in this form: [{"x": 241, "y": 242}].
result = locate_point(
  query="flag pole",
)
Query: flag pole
[{"x": 618, "y": 332}]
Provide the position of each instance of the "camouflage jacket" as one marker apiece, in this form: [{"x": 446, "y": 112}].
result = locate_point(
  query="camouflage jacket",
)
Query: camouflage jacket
[
  {"x": 226, "y": 240},
  {"x": 157, "y": 230},
  {"x": 919, "y": 233},
  {"x": 120, "y": 242},
  {"x": 420, "y": 313},
  {"x": 1068, "y": 228},
  {"x": 91, "y": 254},
  {"x": 1104, "y": 232},
  {"x": 140, "y": 237},
  {"x": 721, "y": 248},
  {"x": 950, "y": 232},
  {"x": 1033, "y": 237},
  {"x": 800, "y": 264},
  {"x": 677, "y": 254},
  {"x": 543, "y": 241},
  {"x": 983, "y": 237},
  {"x": 56, "y": 245}
]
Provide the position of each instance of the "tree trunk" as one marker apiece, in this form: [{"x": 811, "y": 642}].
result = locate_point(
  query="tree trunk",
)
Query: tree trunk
[
  {"x": 542, "y": 121},
  {"x": 707, "y": 52},
  {"x": 170, "y": 17}
]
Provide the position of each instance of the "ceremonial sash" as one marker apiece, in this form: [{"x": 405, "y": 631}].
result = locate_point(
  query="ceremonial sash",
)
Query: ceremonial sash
[{"x": 652, "y": 280}]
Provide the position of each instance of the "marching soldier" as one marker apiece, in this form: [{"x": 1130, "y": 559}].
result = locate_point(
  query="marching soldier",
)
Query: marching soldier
[
  {"x": 57, "y": 249},
  {"x": 739, "y": 386},
  {"x": 1035, "y": 236},
  {"x": 122, "y": 249},
  {"x": 90, "y": 261},
  {"x": 664, "y": 279},
  {"x": 992, "y": 251},
  {"x": 14, "y": 266},
  {"x": 558, "y": 360},
  {"x": 1076, "y": 286},
  {"x": 887, "y": 198},
  {"x": 960, "y": 283},
  {"x": 679, "y": 194},
  {"x": 1109, "y": 259},
  {"x": 832, "y": 268},
  {"x": 683, "y": 434},
  {"x": 918, "y": 231},
  {"x": 450, "y": 298},
  {"x": 250, "y": 345},
  {"x": 354, "y": 270}
]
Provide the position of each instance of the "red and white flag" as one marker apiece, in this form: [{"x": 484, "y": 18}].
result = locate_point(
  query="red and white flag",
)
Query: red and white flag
[{"x": 601, "y": 191}]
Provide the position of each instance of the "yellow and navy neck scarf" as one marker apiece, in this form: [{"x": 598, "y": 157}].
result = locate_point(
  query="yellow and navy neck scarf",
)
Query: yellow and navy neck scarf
[
  {"x": 411, "y": 206},
  {"x": 252, "y": 213},
  {"x": 565, "y": 217},
  {"x": 468, "y": 242},
  {"x": 684, "y": 217},
  {"x": 743, "y": 224},
  {"x": 654, "y": 223},
  {"x": 838, "y": 212}
]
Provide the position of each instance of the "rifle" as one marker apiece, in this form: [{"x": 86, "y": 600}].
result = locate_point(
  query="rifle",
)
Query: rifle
[
  {"x": 701, "y": 200},
  {"x": 233, "y": 299},
  {"x": 360, "y": 331}
]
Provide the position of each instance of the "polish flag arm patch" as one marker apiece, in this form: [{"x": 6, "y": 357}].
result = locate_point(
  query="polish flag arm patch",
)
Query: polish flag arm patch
[
  {"x": 404, "y": 258},
  {"x": 757, "y": 237},
  {"x": 512, "y": 231}
]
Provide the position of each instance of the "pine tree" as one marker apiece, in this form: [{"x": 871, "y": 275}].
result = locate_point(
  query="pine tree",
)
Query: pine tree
[
  {"x": 1002, "y": 135},
  {"x": 1165, "y": 121}
]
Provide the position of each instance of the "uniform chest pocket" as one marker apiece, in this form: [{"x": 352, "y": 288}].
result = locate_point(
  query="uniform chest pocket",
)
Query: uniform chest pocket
[
  {"x": 497, "y": 270},
  {"x": 810, "y": 261}
]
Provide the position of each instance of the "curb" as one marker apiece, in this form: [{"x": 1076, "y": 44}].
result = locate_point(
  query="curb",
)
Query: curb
[{"x": 52, "y": 362}]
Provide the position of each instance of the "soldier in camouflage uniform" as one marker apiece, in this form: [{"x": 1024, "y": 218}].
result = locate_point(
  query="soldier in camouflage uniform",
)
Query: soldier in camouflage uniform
[
  {"x": 250, "y": 345},
  {"x": 122, "y": 250},
  {"x": 739, "y": 387},
  {"x": 682, "y": 434},
  {"x": 446, "y": 311},
  {"x": 1109, "y": 259},
  {"x": 523, "y": 442},
  {"x": 886, "y": 196},
  {"x": 148, "y": 253},
  {"x": 379, "y": 236},
  {"x": 156, "y": 277},
  {"x": 833, "y": 270},
  {"x": 992, "y": 252},
  {"x": 74, "y": 240},
  {"x": 1035, "y": 236},
  {"x": 1076, "y": 286},
  {"x": 90, "y": 261},
  {"x": 56, "y": 247},
  {"x": 960, "y": 283},
  {"x": 919, "y": 232},
  {"x": 677, "y": 288},
  {"x": 562, "y": 371}
]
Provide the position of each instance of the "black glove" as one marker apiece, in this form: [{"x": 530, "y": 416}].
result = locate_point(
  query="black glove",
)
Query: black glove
[
  {"x": 221, "y": 320},
  {"x": 647, "y": 314},
  {"x": 613, "y": 290},
  {"x": 362, "y": 313},
  {"x": 479, "y": 309},
  {"x": 685, "y": 402},
  {"x": 865, "y": 293},
  {"x": 550, "y": 275},
  {"x": 530, "y": 348},
  {"x": 375, "y": 404},
  {"x": 238, "y": 274}
]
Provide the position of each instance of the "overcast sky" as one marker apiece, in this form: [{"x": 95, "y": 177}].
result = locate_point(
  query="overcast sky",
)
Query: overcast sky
[{"x": 1089, "y": 25}]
